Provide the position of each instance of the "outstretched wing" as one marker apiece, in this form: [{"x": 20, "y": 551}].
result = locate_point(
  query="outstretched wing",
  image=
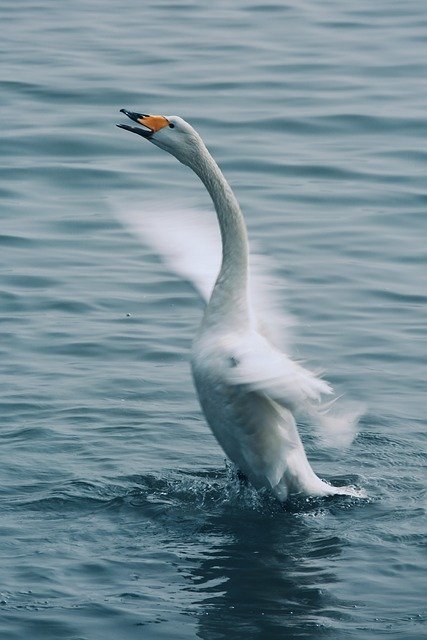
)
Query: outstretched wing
[{"x": 188, "y": 242}]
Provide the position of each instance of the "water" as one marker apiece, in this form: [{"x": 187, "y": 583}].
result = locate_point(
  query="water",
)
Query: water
[{"x": 119, "y": 517}]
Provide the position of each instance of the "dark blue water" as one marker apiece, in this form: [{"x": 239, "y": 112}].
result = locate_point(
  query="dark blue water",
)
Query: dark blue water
[{"x": 119, "y": 518}]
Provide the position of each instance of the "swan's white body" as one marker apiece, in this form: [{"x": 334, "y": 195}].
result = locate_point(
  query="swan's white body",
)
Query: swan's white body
[{"x": 248, "y": 390}]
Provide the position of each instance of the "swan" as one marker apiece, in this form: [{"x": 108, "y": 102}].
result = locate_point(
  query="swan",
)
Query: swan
[{"x": 251, "y": 393}]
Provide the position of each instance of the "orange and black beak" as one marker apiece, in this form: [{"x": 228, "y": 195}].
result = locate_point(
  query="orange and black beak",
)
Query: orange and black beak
[{"x": 150, "y": 124}]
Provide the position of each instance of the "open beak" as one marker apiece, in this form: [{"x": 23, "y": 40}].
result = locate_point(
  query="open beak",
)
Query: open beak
[{"x": 150, "y": 124}]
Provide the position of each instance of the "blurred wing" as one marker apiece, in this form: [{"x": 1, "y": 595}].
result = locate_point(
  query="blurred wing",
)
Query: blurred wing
[
  {"x": 189, "y": 243},
  {"x": 259, "y": 367}
]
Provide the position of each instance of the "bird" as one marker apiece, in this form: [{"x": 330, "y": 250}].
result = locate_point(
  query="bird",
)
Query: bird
[{"x": 251, "y": 392}]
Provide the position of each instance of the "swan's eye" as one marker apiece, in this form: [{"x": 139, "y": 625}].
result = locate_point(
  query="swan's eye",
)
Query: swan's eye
[{"x": 172, "y": 126}]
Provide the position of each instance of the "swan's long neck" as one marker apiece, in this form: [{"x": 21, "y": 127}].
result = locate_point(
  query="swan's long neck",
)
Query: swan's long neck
[{"x": 230, "y": 293}]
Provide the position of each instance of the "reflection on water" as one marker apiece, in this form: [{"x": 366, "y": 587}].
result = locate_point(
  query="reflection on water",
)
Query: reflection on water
[
  {"x": 250, "y": 569},
  {"x": 267, "y": 578}
]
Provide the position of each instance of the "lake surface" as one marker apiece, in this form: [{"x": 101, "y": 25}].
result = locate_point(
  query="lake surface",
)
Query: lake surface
[{"x": 119, "y": 517}]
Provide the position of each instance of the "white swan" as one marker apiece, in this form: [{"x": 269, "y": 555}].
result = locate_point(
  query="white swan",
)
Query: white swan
[{"x": 248, "y": 390}]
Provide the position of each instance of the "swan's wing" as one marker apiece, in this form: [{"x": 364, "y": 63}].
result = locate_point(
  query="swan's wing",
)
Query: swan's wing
[
  {"x": 189, "y": 243},
  {"x": 258, "y": 366}
]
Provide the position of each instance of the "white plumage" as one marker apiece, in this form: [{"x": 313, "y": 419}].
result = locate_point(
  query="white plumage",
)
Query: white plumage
[{"x": 249, "y": 390}]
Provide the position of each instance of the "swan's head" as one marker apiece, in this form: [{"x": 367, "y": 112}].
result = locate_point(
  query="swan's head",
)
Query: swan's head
[{"x": 170, "y": 133}]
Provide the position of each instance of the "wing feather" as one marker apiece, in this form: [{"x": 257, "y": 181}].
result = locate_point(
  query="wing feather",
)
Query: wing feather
[
  {"x": 259, "y": 366},
  {"x": 188, "y": 242}
]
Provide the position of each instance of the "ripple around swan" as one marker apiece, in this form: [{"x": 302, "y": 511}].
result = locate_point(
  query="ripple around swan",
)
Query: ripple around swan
[{"x": 181, "y": 497}]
